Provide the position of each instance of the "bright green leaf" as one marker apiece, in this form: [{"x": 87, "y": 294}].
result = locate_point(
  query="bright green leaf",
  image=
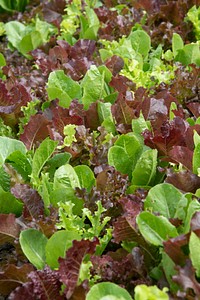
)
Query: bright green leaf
[
  {"x": 57, "y": 161},
  {"x": 196, "y": 159},
  {"x": 194, "y": 246},
  {"x": 65, "y": 176},
  {"x": 20, "y": 163},
  {"x": 145, "y": 169},
  {"x": 124, "y": 154},
  {"x": 9, "y": 204},
  {"x": 41, "y": 156},
  {"x": 140, "y": 41},
  {"x": 33, "y": 243},
  {"x": 144, "y": 292},
  {"x": 4, "y": 180},
  {"x": 155, "y": 229},
  {"x": 2, "y": 59},
  {"x": 8, "y": 146},
  {"x": 57, "y": 246},
  {"x": 85, "y": 176},
  {"x": 177, "y": 43},
  {"x": 63, "y": 195},
  {"x": 62, "y": 87},
  {"x": 107, "y": 291},
  {"x": 163, "y": 199}
]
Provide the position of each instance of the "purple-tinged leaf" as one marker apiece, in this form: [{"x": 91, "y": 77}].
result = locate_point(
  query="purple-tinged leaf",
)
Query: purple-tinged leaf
[
  {"x": 13, "y": 276},
  {"x": 26, "y": 291},
  {"x": 61, "y": 117},
  {"x": 181, "y": 154},
  {"x": 53, "y": 11},
  {"x": 187, "y": 280},
  {"x": 43, "y": 285},
  {"x": 132, "y": 205},
  {"x": 174, "y": 248},
  {"x": 119, "y": 267},
  {"x": 121, "y": 84},
  {"x": 195, "y": 222},
  {"x": 92, "y": 118},
  {"x": 115, "y": 64},
  {"x": 35, "y": 131},
  {"x": 31, "y": 199},
  {"x": 194, "y": 107},
  {"x": 70, "y": 266},
  {"x": 183, "y": 180},
  {"x": 122, "y": 113},
  {"x": 122, "y": 231},
  {"x": 9, "y": 229},
  {"x": 166, "y": 136},
  {"x": 12, "y": 99}
]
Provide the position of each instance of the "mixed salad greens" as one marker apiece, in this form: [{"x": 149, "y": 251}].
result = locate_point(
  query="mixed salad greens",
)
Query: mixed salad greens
[{"x": 99, "y": 150}]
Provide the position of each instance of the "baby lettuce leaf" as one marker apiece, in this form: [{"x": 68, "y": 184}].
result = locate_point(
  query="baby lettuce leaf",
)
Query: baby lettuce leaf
[
  {"x": 9, "y": 204},
  {"x": 194, "y": 244},
  {"x": 20, "y": 163},
  {"x": 144, "y": 292},
  {"x": 177, "y": 44},
  {"x": 57, "y": 161},
  {"x": 41, "y": 156},
  {"x": 65, "y": 177},
  {"x": 34, "y": 204},
  {"x": 64, "y": 194},
  {"x": 70, "y": 265},
  {"x": 140, "y": 42},
  {"x": 62, "y": 87},
  {"x": 85, "y": 176},
  {"x": 145, "y": 168},
  {"x": 124, "y": 154},
  {"x": 89, "y": 24},
  {"x": 33, "y": 243},
  {"x": 9, "y": 229},
  {"x": 5, "y": 180},
  {"x": 107, "y": 290},
  {"x": 42, "y": 284},
  {"x": 196, "y": 159},
  {"x": 94, "y": 85},
  {"x": 35, "y": 131},
  {"x": 155, "y": 229},
  {"x": 8, "y": 146},
  {"x": 164, "y": 199},
  {"x": 12, "y": 277},
  {"x": 58, "y": 244},
  {"x": 27, "y": 38}
]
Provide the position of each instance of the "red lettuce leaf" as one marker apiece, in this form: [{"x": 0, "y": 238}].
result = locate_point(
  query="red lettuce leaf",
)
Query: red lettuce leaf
[
  {"x": 115, "y": 64},
  {"x": 183, "y": 155},
  {"x": 184, "y": 180},
  {"x": 70, "y": 265},
  {"x": 43, "y": 285},
  {"x": 175, "y": 248},
  {"x": 35, "y": 131},
  {"x": 9, "y": 229},
  {"x": 122, "y": 112},
  {"x": 121, "y": 268},
  {"x": 53, "y": 11},
  {"x": 195, "y": 222},
  {"x": 74, "y": 60},
  {"x": 187, "y": 280},
  {"x": 168, "y": 135},
  {"x": 13, "y": 276},
  {"x": 32, "y": 200}
]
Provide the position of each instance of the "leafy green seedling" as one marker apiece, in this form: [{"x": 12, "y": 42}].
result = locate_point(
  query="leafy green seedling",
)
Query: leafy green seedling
[
  {"x": 107, "y": 291},
  {"x": 33, "y": 243}
]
